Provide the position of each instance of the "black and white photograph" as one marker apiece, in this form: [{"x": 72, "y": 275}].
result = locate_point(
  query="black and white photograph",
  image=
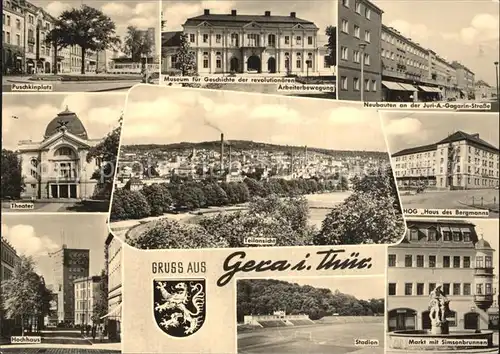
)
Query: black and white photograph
[
  {"x": 208, "y": 169},
  {"x": 79, "y": 45},
  {"x": 251, "y": 46},
  {"x": 394, "y": 52},
  {"x": 59, "y": 151},
  {"x": 443, "y": 289},
  {"x": 61, "y": 285},
  {"x": 311, "y": 315},
  {"x": 445, "y": 161}
]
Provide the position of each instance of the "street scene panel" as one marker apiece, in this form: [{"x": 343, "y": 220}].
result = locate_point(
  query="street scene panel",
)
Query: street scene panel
[
  {"x": 79, "y": 46},
  {"x": 265, "y": 171},
  {"x": 71, "y": 285},
  {"x": 445, "y": 164},
  {"x": 387, "y": 53},
  {"x": 313, "y": 315},
  {"x": 442, "y": 287},
  {"x": 59, "y": 151},
  {"x": 251, "y": 46}
]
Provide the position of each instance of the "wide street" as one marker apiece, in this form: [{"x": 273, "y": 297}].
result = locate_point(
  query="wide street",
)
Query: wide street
[{"x": 72, "y": 86}]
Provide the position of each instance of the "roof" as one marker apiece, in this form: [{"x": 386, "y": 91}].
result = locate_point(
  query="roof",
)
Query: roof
[
  {"x": 229, "y": 20},
  {"x": 68, "y": 120},
  {"x": 171, "y": 39},
  {"x": 483, "y": 245},
  {"x": 415, "y": 150}
]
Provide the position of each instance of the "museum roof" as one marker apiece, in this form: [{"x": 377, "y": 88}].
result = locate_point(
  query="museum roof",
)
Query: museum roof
[
  {"x": 171, "y": 39},
  {"x": 235, "y": 20},
  {"x": 69, "y": 121},
  {"x": 483, "y": 245}
]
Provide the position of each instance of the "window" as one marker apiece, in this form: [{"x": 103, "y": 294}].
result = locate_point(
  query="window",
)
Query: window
[
  {"x": 408, "y": 260},
  {"x": 408, "y": 289},
  {"x": 271, "y": 40},
  {"x": 355, "y": 56},
  {"x": 191, "y": 38},
  {"x": 456, "y": 236},
  {"x": 358, "y": 7},
  {"x": 414, "y": 235},
  {"x": 253, "y": 39},
  {"x": 432, "y": 286},
  {"x": 367, "y": 59},
  {"x": 374, "y": 85},
  {"x": 446, "y": 261},
  {"x": 344, "y": 53},
  {"x": 298, "y": 62},
  {"x": 205, "y": 38},
  {"x": 368, "y": 13},
  {"x": 309, "y": 60},
  {"x": 298, "y": 40},
  {"x": 447, "y": 235},
  {"x": 235, "y": 40},
  {"x": 488, "y": 262},
  {"x": 479, "y": 262},
  {"x": 356, "y": 31},
  {"x": 392, "y": 260},
  {"x": 432, "y": 261},
  {"x": 431, "y": 235},
  {"x": 466, "y": 263},
  {"x": 392, "y": 288},
  {"x": 218, "y": 38},
  {"x": 218, "y": 60},
  {"x": 18, "y": 39},
  {"x": 466, "y": 289},
  {"x": 456, "y": 261},
  {"x": 488, "y": 288},
  {"x": 367, "y": 36},
  {"x": 345, "y": 26},
  {"x": 420, "y": 261},
  {"x": 356, "y": 84},
  {"x": 310, "y": 40},
  {"x": 345, "y": 3},
  {"x": 18, "y": 24},
  {"x": 287, "y": 39},
  {"x": 7, "y": 40},
  {"x": 456, "y": 289},
  {"x": 420, "y": 288},
  {"x": 367, "y": 85},
  {"x": 8, "y": 20},
  {"x": 446, "y": 288},
  {"x": 343, "y": 83},
  {"x": 479, "y": 289},
  {"x": 205, "y": 60}
]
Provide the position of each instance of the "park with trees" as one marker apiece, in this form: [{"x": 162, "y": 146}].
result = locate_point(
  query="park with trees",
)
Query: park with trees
[{"x": 273, "y": 208}]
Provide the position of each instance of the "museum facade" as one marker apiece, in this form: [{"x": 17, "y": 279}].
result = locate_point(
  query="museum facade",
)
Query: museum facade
[{"x": 56, "y": 167}]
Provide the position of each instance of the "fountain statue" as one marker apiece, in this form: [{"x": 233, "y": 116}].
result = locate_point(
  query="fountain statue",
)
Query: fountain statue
[{"x": 439, "y": 308}]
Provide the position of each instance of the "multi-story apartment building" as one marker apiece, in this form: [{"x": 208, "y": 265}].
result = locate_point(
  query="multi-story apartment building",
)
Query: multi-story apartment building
[
  {"x": 465, "y": 80},
  {"x": 86, "y": 290},
  {"x": 484, "y": 92},
  {"x": 459, "y": 161},
  {"x": 449, "y": 253},
  {"x": 113, "y": 263},
  {"x": 68, "y": 265},
  {"x": 224, "y": 43},
  {"x": 359, "y": 31},
  {"x": 13, "y": 36},
  {"x": 444, "y": 75},
  {"x": 9, "y": 260}
]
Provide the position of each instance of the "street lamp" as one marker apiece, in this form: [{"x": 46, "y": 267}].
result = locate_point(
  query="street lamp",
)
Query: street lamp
[
  {"x": 496, "y": 77},
  {"x": 362, "y": 47}
]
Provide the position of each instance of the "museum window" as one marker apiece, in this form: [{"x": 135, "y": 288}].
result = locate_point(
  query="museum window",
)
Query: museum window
[
  {"x": 253, "y": 40},
  {"x": 452, "y": 319},
  {"x": 205, "y": 38},
  {"x": 479, "y": 289},
  {"x": 392, "y": 288},
  {"x": 446, "y": 235},
  {"x": 64, "y": 151},
  {"x": 488, "y": 262},
  {"x": 298, "y": 40},
  {"x": 446, "y": 289},
  {"x": 432, "y": 261},
  {"x": 466, "y": 289},
  {"x": 310, "y": 40},
  {"x": 173, "y": 61},
  {"x": 271, "y": 40},
  {"x": 218, "y": 38},
  {"x": 408, "y": 260},
  {"x": 408, "y": 289},
  {"x": 235, "y": 40},
  {"x": 479, "y": 262},
  {"x": 218, "y": 60},
  {"x": 420, "y": 261},
  {"x": 392, "y": 260},
  {"x": 413, "y": 235},
  {"x": 205, "y": 60},
  {"x": 431, "y": 235},
  {"x": 456, "y": 289},
  {"x": 446, "y": 261},
  {"x": 420, "y": 288},
  {"x": 191, "y": 38},
  {"x": 456, "y": 261},
  {"x": 466, "y": 263},
  {"x": 487, "y": 288}
]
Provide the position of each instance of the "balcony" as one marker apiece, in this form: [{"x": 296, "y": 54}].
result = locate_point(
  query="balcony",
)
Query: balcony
[
  {"x": 483, "y": 271},
  {"x": 484, "y": 302},
  {"x": 31, "y": 40}
]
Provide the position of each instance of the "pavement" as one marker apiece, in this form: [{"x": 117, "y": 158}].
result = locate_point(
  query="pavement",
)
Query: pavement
[{"x": 62, "y": 349}]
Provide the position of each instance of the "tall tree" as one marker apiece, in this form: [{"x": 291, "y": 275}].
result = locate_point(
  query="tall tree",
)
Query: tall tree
[
  {"x": 185, "y": 57},
  {"x": 25, "y": 294},
  {"x": 106, "y": 151},
  {"x": 88, "y": 28},
  {"x": 56, "y": 38},
  {"x": 11, "y": 179},
  {"x": 138, "y": 43},
  {"x": 100, "y": 307},
  {"x": 331, "y": 32}
]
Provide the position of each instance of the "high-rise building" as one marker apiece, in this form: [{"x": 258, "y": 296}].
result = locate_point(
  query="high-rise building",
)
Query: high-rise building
[{"x": 68, "y": 264}]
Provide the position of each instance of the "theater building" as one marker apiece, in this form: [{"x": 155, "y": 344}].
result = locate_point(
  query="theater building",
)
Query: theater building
[
  {"x": 459, "y": 161},
  {"x": 56, "y": 166},
  {"x": 113, "y": 264},
  {"x": 359, "y": 30},
  {"x": 234, "y": 43},
  {"x": 445, "y": 252}
]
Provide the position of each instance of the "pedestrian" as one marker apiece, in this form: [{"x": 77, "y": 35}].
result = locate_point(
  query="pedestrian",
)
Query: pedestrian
[
  {"x": 93, "y": 332},
  {"x": 101, "y": 333}
]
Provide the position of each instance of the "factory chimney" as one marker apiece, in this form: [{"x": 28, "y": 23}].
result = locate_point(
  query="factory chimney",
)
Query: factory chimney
[
  {"x": 291, "y": 161},
  {"x": 222, "y": 153},
  {"x": 229, "y": 162}
]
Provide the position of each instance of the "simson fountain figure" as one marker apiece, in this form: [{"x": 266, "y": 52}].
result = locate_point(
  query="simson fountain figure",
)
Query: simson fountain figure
[{"x": 438, "y": 309}]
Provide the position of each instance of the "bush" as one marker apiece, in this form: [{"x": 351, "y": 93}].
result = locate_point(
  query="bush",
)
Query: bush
[
  {"x": 158, "y": 198},
  {"x": 129, "y": 205}
]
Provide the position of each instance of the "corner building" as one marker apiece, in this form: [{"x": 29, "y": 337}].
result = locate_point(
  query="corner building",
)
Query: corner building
[
  {"x": 359, "y": 31},
  {"x": 459, "y": 161},
  {"x": 56, "y": 167},
  {"x": 449, "y": 253}
]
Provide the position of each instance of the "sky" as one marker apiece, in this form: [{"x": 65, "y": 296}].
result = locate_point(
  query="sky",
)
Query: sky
[
  {"x": 361, "y": 287},
  {"x": 99, "y": 114},
  {"x": 164, "y": 115},
  {"x": 462, "y": 30},
  {"x": 410, "y": 129},
  {"x": 37, "y": 235},
  {"x": 141, "y": 13},
  {"x": 322, "y": 12}
]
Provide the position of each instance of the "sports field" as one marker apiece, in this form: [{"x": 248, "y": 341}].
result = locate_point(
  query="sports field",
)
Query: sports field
[{"x": 315, "y": 339}]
